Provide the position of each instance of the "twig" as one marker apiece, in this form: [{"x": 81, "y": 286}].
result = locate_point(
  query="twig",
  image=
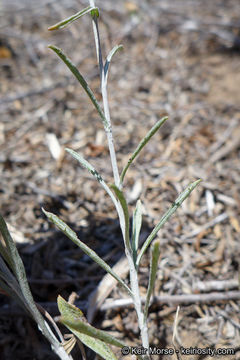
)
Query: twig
[
  {"x": 169, "y": 300},
  {"x": 216, "y": 285},
  {"x": 208, "y": 225},
  {"x": 224, "y": 136},
  {"x": 226, "y": 316},
  {"x": 42, "y": 90},
  {"x": 227, "y": 148},
  {"x": 177, "y": 299}
]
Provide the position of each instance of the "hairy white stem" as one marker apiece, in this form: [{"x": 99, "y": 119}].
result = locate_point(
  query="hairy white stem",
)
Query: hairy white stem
[
  {"x": 133, "y": 271},
  {"x": 142, "y": 322},
  {"x": 109, "y": 132},
  {"x": 108, "y": 129},
  {"x": 137, "y": 303}
]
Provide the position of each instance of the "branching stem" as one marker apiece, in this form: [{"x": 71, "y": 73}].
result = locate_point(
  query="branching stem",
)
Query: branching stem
[
  {"x": 105, "y": 99},
  {"x": 129, "y": 254}
]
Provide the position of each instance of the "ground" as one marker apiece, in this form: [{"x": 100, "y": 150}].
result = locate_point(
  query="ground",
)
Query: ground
[{"x": 181, "y": 59}]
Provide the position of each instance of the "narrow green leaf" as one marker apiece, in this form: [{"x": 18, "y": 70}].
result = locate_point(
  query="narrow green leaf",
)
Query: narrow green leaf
[
  {"x": 95, "y": 339},
  {"x": 18, "y": 269},
  {"x": 124, "y": 206},
  {"x": 142, "y": 143},
  {"x": 93, "y": 172},
  {"x": 16, "y": 262},
  {"x": 136, "y": 228},
  {"x": 85, "y": 164},
  {"x": 13, "y": 293},
  {"x": 3, "y": 286},
  {"x": 79, "y": 326},
  {"x": 153, "y": 272},
  {"x": 166, "y": 216},
  {"x": 83, "y": 83},
  {"x": 61, "y": 225},
  {"x": 9, "y": 283},
  {"x": 9, "y": 279},
  {"x": 62, "y": 24},
  {"x": 4, "y": 253},
  {"x": 73, "y": 317},
  {"x": 109, "y": 58}
]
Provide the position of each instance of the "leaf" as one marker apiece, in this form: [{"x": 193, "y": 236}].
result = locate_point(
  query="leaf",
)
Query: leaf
[
  {"x": 83, "y": 83},
  {"x": 5, "y": 254},
  {"x": 153, "y": 272},
  {"x": 124, "y": 206},
  {"x": 142, "y": 143},
  {"x": 74, "y": 318},
  {"x": 166, "y": 216},
  {"x": 109, "y": 58},
  {"x": 10, "y": 291},
  {"x": 98, "y": 177},
  {"x": 26, "y": 296},
  {"x": 10, "y": 250},
  {"x": 136, "y": 228},
  {"x": 61, "y": 225},
  {"x": 10, "y": 284},
  {"x": 62, "y": 24},
  {"x": 94, "y": 172},
  {"x": 95, "y": 339}
]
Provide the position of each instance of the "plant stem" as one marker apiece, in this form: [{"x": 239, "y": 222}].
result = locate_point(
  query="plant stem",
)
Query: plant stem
[
  {"x": 105, "y": 100},
  {"x": 138, "y": 305},
  {"x": 129, "y": 254},
  {"x": 109, "y": 132}
]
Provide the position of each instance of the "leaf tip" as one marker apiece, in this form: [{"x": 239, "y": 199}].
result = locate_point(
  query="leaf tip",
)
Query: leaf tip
[
  {"x": 47, "y": 213},
  {"x": 156, "y": 242},
  {"x": 139, "y": 203},
  {"x": 44, "y": 211},
  {"x": 197, "y": 182},
  {"x": 60, "y": 299},
  {"x": 50, "y": 28}
]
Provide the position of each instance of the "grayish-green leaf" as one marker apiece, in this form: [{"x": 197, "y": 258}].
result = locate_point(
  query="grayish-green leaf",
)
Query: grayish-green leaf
[
  {"x": 83, "y": 82},
  {"x": 108, "y": 127},
  {"x": 16, "y": 295},
  {"x": 94, "y": 172},
  {"x": 109, "y": 58},
  {"x": 136, "y": 228},
  {"x": 153, "y": 272},
  {"x": 11, "y": 282},
  {"x": 61, "y": 225},
  {"x": 73, "y": 317},
  {"x": 5, "y": 254},
  {"x": 62, "y": 24},
  {"x": 166, "y": 216},
  {"x": 142, "y": 143},
  {"x": 19, "y": 271},
  {"x": 95, "y": 339}
]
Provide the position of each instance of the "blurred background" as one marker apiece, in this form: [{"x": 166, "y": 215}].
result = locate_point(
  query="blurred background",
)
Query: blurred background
[{"x": 180, "y": 58}]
